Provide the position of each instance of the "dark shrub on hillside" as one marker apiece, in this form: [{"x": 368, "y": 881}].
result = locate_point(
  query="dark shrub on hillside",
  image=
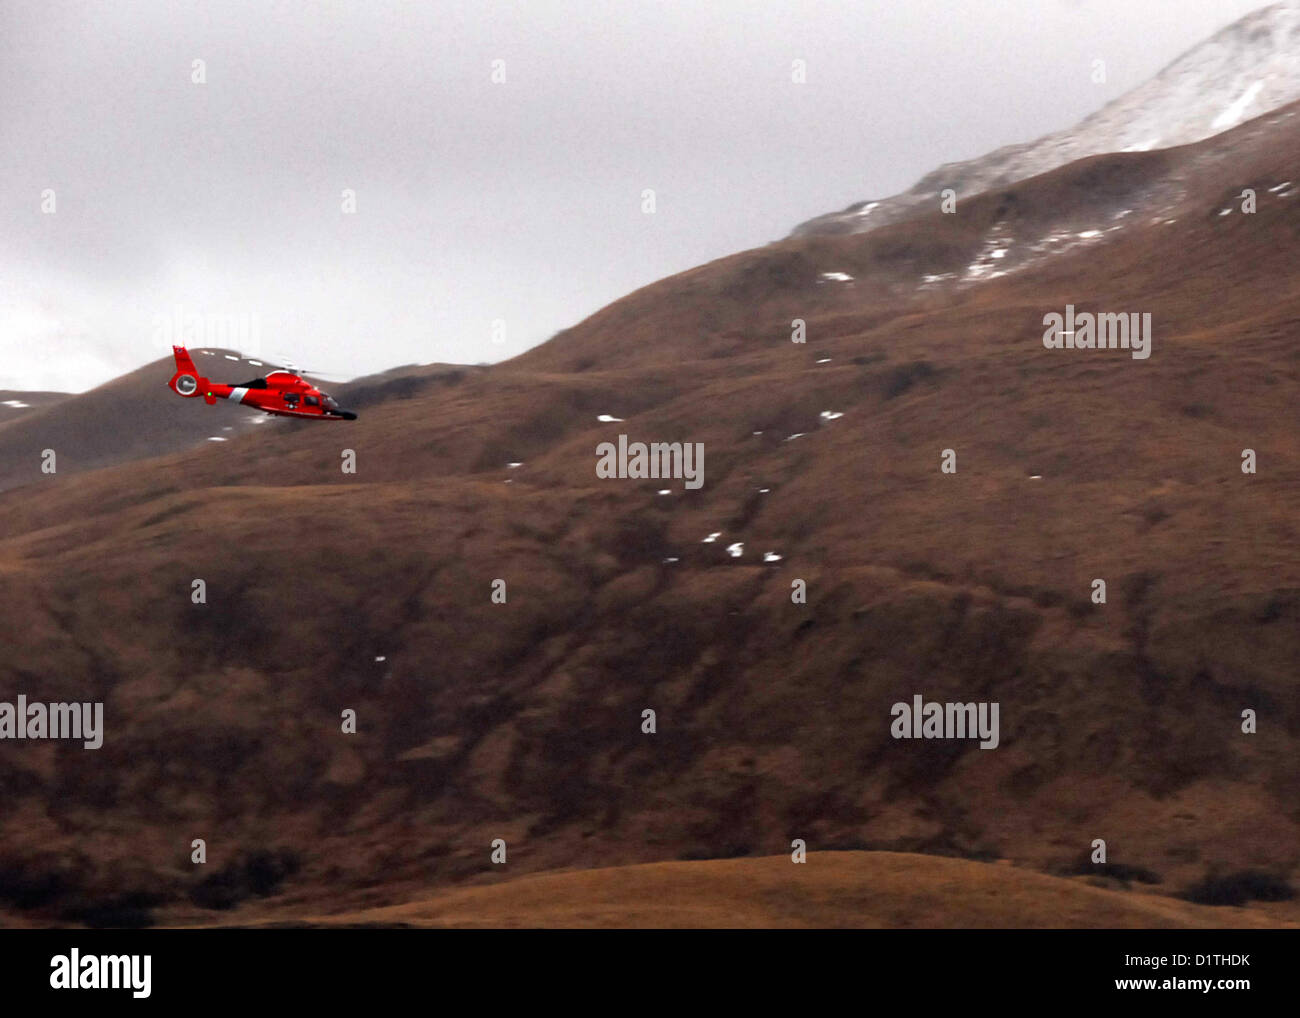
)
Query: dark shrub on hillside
[
  {"x": 1239, "y": 888},
  {"x": 130, "y": 911},
  {"x": 1115, "y": 870},
  {"x": 258, "y": 874},
  {"x": 901, "y": 378},
  {"x": 27, "y": 885}
]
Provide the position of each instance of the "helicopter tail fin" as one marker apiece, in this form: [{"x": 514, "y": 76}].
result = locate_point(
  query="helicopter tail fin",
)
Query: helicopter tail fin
[
  {"x": 184, "y": 362},
  {"x": 187, "y": 381}
]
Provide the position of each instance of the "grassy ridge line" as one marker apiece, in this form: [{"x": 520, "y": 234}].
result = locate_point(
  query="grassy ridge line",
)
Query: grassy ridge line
[{"x": 833, "y": 889}]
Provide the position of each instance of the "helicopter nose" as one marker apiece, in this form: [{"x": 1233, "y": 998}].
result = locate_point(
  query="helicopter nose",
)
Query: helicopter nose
[{"x": 347, "y": 415}]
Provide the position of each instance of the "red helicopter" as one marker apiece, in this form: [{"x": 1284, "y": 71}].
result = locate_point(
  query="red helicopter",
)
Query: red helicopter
[{"x": 281, "y": 392}]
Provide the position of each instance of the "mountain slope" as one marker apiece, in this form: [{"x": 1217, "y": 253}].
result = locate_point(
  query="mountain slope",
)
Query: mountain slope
[
  {"x": 119, "y": 421},
  {"x": 125, "y": 420},
  {"x": 15, "y": 404},
  {"x": 329, "y": 591}
]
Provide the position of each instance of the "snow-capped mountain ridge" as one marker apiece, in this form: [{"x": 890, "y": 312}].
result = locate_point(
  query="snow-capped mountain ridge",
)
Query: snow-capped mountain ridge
[{"x": 1243, "y": 71}]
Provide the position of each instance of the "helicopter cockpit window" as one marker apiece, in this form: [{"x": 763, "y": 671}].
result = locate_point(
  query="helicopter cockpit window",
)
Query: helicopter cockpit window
[
  {"x": 312, "y": 401},
  {"x": 330, "y": 402}
]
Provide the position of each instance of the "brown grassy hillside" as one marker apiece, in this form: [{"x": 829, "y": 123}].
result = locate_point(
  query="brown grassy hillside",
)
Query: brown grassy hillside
[
  {"x": 521, "y": 720},
  {"x": 832, "y": 889}
]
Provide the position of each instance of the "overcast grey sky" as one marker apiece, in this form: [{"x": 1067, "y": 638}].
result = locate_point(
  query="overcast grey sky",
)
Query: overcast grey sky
[{"x": 475, "y": 200}]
